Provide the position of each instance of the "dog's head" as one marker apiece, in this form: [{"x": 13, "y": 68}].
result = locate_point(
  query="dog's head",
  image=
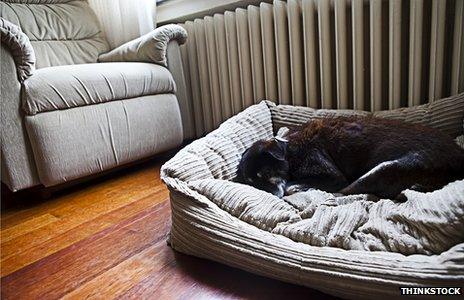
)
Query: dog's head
[{"x": 264, "y": 166}]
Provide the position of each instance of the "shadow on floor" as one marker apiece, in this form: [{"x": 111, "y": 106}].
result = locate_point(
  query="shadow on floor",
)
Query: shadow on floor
[{"x": 235, "y": 283}]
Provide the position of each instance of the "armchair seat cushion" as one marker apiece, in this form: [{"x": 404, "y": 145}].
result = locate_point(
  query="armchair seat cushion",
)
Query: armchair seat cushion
[{"x": 64, "y": 87}]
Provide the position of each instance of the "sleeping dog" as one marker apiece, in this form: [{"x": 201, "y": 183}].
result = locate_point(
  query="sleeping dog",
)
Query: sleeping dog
[{"x": 353, "y": 155}]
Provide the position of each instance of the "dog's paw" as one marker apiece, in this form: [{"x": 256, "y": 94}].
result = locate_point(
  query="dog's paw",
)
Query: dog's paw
[
  {"x": 295, "y": 188},
  {"x": 338, "y": 195}
]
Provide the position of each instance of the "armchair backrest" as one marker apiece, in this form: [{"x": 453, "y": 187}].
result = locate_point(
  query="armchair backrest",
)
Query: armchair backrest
[{"x": 62, "y": 32}]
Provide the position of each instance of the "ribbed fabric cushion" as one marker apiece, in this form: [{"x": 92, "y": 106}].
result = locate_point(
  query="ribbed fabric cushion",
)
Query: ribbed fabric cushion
[
  {"x": 70, "y": 86},
  {"x": 61, "y": 32},
  {"x": 291, "y": 116},
  {"x": 445, "y": 114},
  {"x": 427, "y": 223},
  {"x": 253, "y": 206},
  {"x": 202, "y": 229},
  {"x": 217, "y": 154},
  {"x": 39, "y": 1}
]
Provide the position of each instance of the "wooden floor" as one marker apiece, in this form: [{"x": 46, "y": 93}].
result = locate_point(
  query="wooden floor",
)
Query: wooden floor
[{"x": 107, "y": 239}]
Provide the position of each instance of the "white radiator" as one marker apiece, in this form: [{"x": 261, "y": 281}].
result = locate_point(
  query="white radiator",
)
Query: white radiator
[{"x": 371, "y": 55}]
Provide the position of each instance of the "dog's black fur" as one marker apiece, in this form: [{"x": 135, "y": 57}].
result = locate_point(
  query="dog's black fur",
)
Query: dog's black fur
[{"x": 353, "y": 155}]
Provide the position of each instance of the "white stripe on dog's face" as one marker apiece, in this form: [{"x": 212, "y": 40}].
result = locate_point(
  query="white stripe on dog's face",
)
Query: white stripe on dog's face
[
  {"x": 281, "y": 187},
  {"x": 280, "y": 184}
]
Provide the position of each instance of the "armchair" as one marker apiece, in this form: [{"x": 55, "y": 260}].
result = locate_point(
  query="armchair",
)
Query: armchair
[{"x": 70, "y": 107}]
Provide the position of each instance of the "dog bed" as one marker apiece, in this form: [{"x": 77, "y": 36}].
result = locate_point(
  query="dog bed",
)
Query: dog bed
[{"x": 348, "y": 246}]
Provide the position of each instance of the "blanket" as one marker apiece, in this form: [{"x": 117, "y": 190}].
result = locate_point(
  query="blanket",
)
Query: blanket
[{"x": 427, "y": 223}]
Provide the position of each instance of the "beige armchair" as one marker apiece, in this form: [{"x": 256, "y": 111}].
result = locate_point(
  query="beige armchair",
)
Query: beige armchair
[{"x": 70, "y": 107}]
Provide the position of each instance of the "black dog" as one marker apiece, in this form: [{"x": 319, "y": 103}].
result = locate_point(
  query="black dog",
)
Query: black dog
[{"x": 353, "y": 155}]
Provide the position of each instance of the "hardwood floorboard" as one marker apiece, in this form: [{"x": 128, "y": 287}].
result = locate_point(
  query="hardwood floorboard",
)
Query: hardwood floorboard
[
  {"x": 27, "y": 226},
  {"x": 107, "y": 239},
  {"x": 125, "y": 275},
  {"x": 133, "y": 183},
  {"x": 60, "y": 273},
  {"x": 71, "y": 213},
  {"x": 32, "y": 254},
  {"x": 63, "y": 224}
]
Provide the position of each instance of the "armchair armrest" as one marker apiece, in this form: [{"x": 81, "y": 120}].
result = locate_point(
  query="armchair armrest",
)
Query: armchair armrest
[
  {"x": 151, "y": 47},
  {"x": 20, "y": 48}
]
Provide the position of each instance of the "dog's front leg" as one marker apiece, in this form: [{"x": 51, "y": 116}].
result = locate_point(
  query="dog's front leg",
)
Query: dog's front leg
[
  {"x": 296, "y": 187},
  {"x": 329, "y": 184},
  {"x": 322, "y": 175}
]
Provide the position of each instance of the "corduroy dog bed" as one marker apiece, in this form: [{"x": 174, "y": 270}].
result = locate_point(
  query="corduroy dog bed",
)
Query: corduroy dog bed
[{"x": 346, "y": 246}]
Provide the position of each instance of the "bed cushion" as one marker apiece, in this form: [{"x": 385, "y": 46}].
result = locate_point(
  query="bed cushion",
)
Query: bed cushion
[
  {"x": 445, "y": 114},
  {"x": 217, "y": 154},
  {"x": 347, "y": 246},
  {"x": 291, "y": 116}
]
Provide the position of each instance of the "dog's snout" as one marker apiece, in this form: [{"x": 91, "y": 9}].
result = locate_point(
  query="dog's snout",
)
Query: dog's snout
[
  {"x": 280, "y": 190},
  {"x": 279, "y": 184}
]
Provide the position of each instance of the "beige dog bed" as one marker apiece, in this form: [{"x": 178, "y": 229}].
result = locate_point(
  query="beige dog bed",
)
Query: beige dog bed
[{"x": 346, "y": 246}]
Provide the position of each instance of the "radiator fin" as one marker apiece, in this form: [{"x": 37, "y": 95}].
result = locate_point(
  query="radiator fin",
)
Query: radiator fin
[
  {"x": 269, "y": 51},
  {"x": 233, "y": 62},
  {"x": 457, "y": 66},
  {"x": 221, "y": 49},
  {"x": 282, "y": 52},
  {"x": 311, "y": 66},
  {"x": 341, "y": 37},
  {"x": 296, "y": 52},
  {"x": 394, "y": 54},
  {"x": 244, "y": 57},
  {"x": 415, "y": 52},
  {"x": 213, "y": 71},
  {"x": 256, "y": 49},
  {"x": 203, "y": 71},
  {"x": 358, "y": 54}
]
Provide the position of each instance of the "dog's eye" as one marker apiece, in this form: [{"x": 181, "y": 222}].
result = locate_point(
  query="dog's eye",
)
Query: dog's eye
[{"x": 260, "y": 175}]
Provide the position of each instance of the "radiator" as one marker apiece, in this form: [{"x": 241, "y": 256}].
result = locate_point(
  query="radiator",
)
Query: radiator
[{"x": 344, "y": 54}]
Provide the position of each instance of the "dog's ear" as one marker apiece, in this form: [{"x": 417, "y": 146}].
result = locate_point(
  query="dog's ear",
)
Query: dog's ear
[{"x": 278, "y": 148}]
